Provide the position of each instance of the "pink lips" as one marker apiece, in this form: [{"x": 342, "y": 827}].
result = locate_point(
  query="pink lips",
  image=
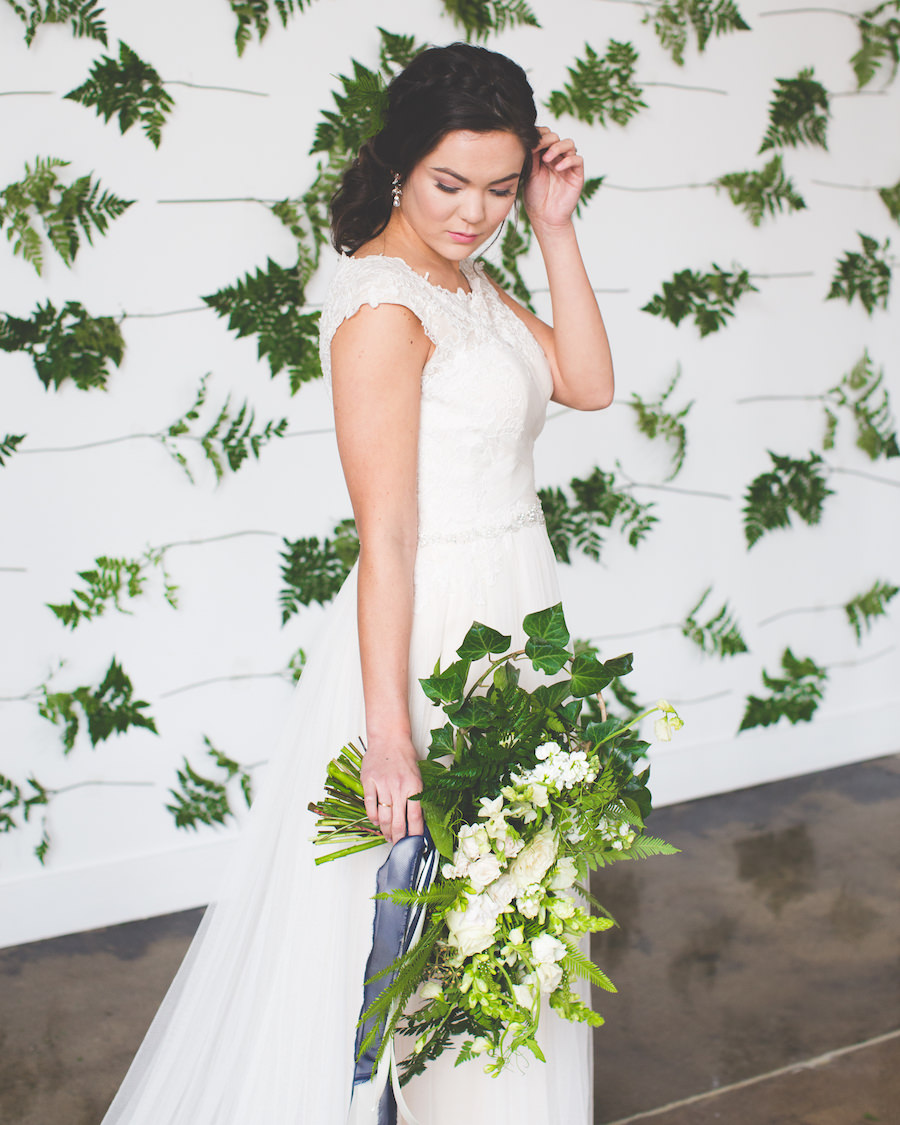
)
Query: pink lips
[{"x": 464, "y": 238}]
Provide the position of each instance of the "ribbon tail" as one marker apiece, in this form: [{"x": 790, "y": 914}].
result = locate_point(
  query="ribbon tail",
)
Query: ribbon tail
[{"x": 397, "y": 928}]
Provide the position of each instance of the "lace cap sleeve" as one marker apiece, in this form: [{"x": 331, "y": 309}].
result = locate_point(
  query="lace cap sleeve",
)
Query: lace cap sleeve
[{"x": 374, "y": 281}]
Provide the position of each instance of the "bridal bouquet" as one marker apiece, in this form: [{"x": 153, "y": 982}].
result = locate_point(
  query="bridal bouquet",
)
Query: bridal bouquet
[{"x": 524, "y": 793}]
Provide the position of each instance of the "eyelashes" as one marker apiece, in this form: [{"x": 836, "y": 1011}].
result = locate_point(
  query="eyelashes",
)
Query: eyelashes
[{"x": 499, "y": 193}]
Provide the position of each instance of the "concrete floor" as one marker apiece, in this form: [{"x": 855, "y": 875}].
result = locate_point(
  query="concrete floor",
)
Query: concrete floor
[{"x": 759, "y": 973}]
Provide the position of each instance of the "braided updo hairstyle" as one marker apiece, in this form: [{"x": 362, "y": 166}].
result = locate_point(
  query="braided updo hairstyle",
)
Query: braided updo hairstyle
[{"x": 443, "y": 89}]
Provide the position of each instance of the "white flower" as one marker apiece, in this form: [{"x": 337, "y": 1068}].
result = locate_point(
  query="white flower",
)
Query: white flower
[
  {"x": 473, "y": 841},
  {"x": 669, "y": 723},
  {"x": 491, "y": 808},
  {"x": 549, "y": 976},
  {"x": 536, "y": 858},
  {"x": 512, "y": 845},
  {"x": 562, "y": 907},
  {"x": 502, "y": 892},
  {"x": 484, "y": 871},
  {"x": 431, "y": 990},
  {"x": 564, "y": 874},
  {"x": 516, "y": 936},
  {"x": 455, "y": 870},
  {"x": 530, "y": 900},
  {"x": 480, "y": 1045},
  {"x": 472, "y": 929},
  {"x": 546, "y": 948},
  {"x": 523, "y": 994}
]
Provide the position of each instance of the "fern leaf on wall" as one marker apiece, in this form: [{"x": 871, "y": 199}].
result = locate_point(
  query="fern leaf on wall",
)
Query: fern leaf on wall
[
  {"x": 480, "y": 18},
  {"x": 671, "y": 20},
  {"x": 768, "y": 191},
  {"x": 596, "y": 505},
  {"x": 107, "y": 709},
  {"x": 66, "y": 345},
  {"x": 879, "y": 33},
  {"x": 863, "y": 609},
  {"x": 795, "y": 696},
  {"x": 204, "y": 800},
  {"x": 709, "y": 298},
  {"x": 314, "y": 571},
  {"x": 600, "y": 89},
  {"x": 790, "y": 486},
  {"x": 798, "y": 114},
  {"x": 865, "y": 275},
  {"x": 654, "y": 421},
  {"x": 84, "y": 16},
  {"x": 255, "y": 16},
  {"x": 876, "y": 430},
  {"x": 720, "y": 635}
]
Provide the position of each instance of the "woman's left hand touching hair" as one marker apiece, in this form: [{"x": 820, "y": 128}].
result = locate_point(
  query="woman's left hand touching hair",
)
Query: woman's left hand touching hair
[{"x": 557, "y": 177}]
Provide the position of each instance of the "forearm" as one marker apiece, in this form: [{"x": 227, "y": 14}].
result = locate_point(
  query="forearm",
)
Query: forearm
[
  {"x": 584, "y": 363},
  {"x": 384, "y": 610}
]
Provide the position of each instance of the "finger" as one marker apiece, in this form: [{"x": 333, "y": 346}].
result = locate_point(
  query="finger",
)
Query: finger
[
  {"x": 371, "y": 801},
  {"x": 414, "y": 820},
  {"x": 398, "y": 821},
  {"x": 385, "y": 818},
  {"x": 558, "y": 149}
]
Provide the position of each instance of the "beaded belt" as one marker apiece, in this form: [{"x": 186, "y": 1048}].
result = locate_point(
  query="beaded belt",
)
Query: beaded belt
[{"x": 527, "y": 518}]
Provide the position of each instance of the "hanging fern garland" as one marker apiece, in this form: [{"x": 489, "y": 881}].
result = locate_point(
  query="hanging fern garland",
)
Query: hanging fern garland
[
  {"x": 879, "y": 31},
  {"x": 204, "y": 800},
  {"x": 798, "y": 114},
  {"x": 865, "y": 275},
  {"x": 863, "y": 610},
  {"x": 129, "y": 88},
  {"x": 62, "y": 209},
  {"x": 107, "y": 709},
  {"x": 790, "y": 486},
  {"x": 709, "y": 298},
  {"x": 255, "y": 15},
  {"x": 769, "y": 191},
  {"x": 795, "y": 696},
  {"x": 479, "y": 18},
  {"x": 654, "y": 421},
  {"x": 600, "y": 89},
  {"x": 671, "y": 20},
  {"x": 85, "y": 17},
  {"x": 66, "y": 345},
  {"x": 597, "y": 504},
  {"x": 858, "y": 393},
  {"x": 720, "y": 635}
]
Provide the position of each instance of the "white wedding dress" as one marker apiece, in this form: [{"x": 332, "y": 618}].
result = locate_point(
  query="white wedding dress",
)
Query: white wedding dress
[{"x": 258, "y": 1026}]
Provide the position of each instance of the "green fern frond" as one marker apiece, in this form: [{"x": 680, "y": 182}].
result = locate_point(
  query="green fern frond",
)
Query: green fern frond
[
  {"x": 106, "y": 584},
  {"x": 791, "y": 486},
  {"x": 204, "y": 800},
  {"x": 9, "y": 444},
  {"x": 108, "y": 709},
  {"x": 576, "y": 962},
  {"x": 61, "y": 208},
  {"x": 643, "y": 847},
  {"x": 479, "y": 18},
  {"x": 268, "y": 304},
  {"x": 515, "y": 244},
  {"x": 866, "y": 607},
  {"x": 654, "y": 421},
  {"x": 255, "y": 16},
  {"x": 866, "y": 275},
  {"x": 85, "y": 17},
  {"x": 313, "y": 571},
  {"x": 798, "y": 114},
  {"x": 128, "y": 88},
  {"x": 672, "y": 18},
  {"x": 879, "y": 32},
  {"x": 69, "y": 344},
  {"x": 795, "y": 696},
  {"x": 758, "y": 193},
  {"x": 876, "y": 430},
  {"x": 597, "y": 506},
  {"x": 710, "y": 298},
  {"x": 600, "y": 89},
  {"x": 890, "y": 197},
  {"x": 719, "y": 635},
  {"x": 359, "y": 113}
]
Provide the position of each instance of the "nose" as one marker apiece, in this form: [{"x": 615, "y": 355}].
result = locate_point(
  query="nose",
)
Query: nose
[{"x": 471, "y": 208}]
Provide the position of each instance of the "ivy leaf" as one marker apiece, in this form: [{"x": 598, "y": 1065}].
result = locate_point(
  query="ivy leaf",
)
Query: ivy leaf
[
  {"x": 876, "y": 432},
  {"x": 600, "y": 89},
  {"x": 597, "y": 506},
  {"x": 70, "y": 344},
  {"x": 719, "y": 635},
  {"x": 710, "y": 298},
  {"x": 478, "y": 18},
  {"x": 108, "y": 709},
  {"x": 672, "y": 18},
  {"x": 866, "y": 275},
  {"x": 8, "y": 446},
  {"x": 795, "y": 696},
  {"x": 254, "y": 15},
  {"x": 890, "y": 197},
  {"x": 798, "y": 114},
  {"x": 313, "y": 571},
  {"x": 268, "y": 304},
  {"x": 548, "y": 637},
  {"x": 879, "y": 42},
  {"x": 449, "y": 685},
  {"x": 61, "y": 208},
  {"x": 654, "y": 421},
  {"x": 481, "y": 641},
  {"x": 129, "y": 88},
  {"x": 760, "y": 192},
  {"x": 588, "y": 675},
  {"x": 85, "y": 17},
  {"x": 791, "y": 486},
  {"x": 203, "y": 800},
  {"x": 864, "y": 608}
]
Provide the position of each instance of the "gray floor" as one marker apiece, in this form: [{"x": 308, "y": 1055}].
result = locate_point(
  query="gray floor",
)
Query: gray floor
[{"x": 758, "y": 973}]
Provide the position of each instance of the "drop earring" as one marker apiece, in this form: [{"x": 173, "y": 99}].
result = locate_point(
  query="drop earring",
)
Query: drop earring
[{"x": 396, "y": 189}]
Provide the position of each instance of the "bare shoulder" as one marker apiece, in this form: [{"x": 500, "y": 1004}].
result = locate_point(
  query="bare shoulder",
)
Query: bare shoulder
[{"x": 384, "y": 337}]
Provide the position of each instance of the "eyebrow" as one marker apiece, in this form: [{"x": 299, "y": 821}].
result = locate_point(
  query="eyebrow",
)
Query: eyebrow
[{"x": 463, "y": 180}]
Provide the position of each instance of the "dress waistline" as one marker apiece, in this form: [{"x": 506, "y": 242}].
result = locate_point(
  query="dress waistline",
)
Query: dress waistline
[{"x": 528, "y": 517}]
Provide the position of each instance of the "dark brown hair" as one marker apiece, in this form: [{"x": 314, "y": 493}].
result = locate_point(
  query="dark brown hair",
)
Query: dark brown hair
[{"x": 443, "y": 89}]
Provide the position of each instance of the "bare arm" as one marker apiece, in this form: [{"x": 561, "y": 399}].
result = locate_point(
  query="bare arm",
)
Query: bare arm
[
  {"x": 377, "y": 360},
  {"x": 576, "y": 346}
]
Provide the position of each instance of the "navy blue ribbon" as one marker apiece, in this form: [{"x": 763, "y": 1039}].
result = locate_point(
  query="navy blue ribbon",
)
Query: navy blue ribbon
[{"x": 410, "y": 865}]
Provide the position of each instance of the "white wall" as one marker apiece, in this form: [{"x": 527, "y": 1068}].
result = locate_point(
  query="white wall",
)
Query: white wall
[{"x": 116, "y": 854}]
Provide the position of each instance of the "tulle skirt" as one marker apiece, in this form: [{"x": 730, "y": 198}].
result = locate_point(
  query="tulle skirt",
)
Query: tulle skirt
[{"x": 258, "y": 1026}]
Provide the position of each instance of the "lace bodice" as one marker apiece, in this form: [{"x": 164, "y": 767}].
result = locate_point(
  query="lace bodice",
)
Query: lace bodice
[{"x": 484, "y": 395}]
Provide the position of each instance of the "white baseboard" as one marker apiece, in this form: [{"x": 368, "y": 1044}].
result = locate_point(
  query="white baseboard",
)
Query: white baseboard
[{"x": 52, "y": 903}]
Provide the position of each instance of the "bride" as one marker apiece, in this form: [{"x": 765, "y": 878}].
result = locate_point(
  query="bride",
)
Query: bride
[{"x": 440, "y": 383}]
